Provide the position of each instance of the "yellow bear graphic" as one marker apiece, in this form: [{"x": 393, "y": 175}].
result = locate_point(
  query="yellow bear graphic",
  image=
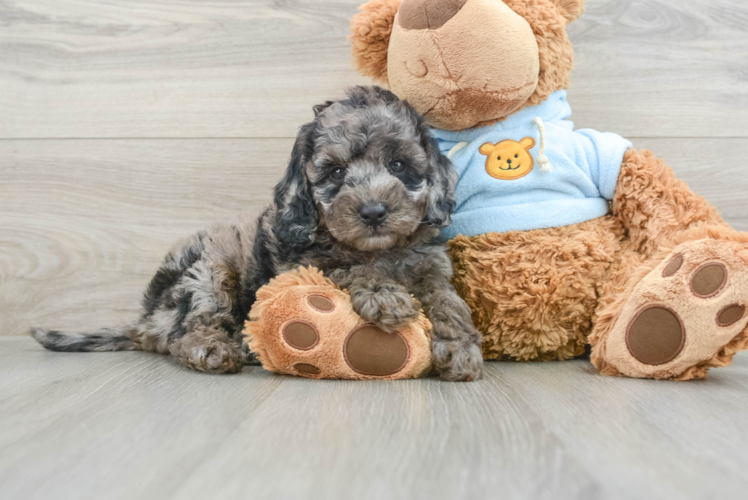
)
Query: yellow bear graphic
[{"x": 509, "y": 160}]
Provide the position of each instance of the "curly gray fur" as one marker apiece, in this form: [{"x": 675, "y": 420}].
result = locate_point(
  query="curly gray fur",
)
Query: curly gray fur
[{"x": 367, "y": 148}]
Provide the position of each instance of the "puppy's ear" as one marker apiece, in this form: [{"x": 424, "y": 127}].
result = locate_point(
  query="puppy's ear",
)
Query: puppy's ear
[
  {"x": 296, "y": 218},
  {"x": 442, "y": 181},
  {"x": 570, "y": 9},
  {"x": 370, "y": 37},
  {"x": 319, "y": 108}
]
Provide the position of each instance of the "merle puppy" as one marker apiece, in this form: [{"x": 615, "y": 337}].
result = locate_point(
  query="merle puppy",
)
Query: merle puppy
[{"x": 363, "y": 199}]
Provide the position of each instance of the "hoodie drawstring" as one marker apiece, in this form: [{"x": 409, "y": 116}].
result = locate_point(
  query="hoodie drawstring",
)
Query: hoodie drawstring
[
  {"x": 545, "y": 163},
  {"x": 456, "y": 148}
]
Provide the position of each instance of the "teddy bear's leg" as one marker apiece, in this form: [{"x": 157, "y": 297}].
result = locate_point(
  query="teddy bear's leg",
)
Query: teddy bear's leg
[
  {"x": 675, "y": 303},
  {"x": 533, "y": 293}
]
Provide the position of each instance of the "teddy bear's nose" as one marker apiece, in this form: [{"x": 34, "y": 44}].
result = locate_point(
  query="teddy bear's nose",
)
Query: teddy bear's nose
[{"x": 427, "y": 14}]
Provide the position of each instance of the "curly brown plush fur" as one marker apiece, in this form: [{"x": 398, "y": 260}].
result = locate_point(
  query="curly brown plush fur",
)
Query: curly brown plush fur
[
  {"x": 548, "y": 23},
  {"x": 654, "y": 205},
  {"x": 533, "y": 293},
  {"x": 370, "y": 38}
]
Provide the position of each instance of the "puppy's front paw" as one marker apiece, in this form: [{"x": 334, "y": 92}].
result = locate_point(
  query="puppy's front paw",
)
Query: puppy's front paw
[
  {"x": 388, "y": 306},
  {"x": 457, "y": 360}
]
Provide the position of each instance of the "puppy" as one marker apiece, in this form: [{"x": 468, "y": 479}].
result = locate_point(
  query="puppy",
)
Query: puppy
[{"x": 363, "y": 199}]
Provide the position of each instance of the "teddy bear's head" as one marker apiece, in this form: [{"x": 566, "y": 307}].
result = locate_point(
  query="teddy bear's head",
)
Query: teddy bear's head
[{"x": 466, "y": 63}]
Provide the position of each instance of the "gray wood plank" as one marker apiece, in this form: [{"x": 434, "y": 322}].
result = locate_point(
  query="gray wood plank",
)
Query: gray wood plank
[
  {"x": 135, "y": 425},
  {"x": 662, "y": 68},
  {"x": 195, "y": 68},
  {"x": 85, "y": 223},
  {"x": 643, "y": 438},
  {"x": 199, "y": 68}
]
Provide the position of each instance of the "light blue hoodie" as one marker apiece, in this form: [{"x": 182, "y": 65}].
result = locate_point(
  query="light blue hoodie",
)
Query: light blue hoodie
[{"x": 572, "y": 185}]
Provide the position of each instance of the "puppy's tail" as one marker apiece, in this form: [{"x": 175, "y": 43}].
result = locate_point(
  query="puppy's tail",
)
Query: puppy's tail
[{"x": 104, "y": 339}]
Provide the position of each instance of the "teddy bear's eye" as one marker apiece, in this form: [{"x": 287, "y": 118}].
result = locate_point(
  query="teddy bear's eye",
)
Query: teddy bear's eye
[
  {"x": 499, "y": 158},
  {"x": 516, "y": 156}
]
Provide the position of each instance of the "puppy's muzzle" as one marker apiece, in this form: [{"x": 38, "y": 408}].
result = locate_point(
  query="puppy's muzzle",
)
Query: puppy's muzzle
[{"x": 373, "y": 213}]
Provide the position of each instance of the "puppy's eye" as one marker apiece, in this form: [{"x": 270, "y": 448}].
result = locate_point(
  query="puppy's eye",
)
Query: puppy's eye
[
  {"x": 397, "y": 166},
  {"x": 338, "y": 173}
]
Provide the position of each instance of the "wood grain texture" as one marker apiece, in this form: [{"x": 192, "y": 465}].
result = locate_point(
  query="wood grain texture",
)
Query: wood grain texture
[
  {"x": 662, "y": 68},
  {"x": 85, "y": 223},
  {"x": 175, "y": 68},
  {"x": 254, "y": 68},
  {"x": 135, "y": 425}
]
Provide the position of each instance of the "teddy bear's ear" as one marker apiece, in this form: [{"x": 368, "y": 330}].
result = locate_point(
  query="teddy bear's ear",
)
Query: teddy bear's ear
[
  {"x": 370, "y": 36},
  {"x": 570, "y": 9}
]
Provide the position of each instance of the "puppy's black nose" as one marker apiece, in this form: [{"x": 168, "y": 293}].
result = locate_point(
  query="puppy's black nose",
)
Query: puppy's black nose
[{"x": 373, "y": 213}]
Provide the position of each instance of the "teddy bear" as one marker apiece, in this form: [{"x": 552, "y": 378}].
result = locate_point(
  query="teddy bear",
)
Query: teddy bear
[{"x": 564, "y": 241}]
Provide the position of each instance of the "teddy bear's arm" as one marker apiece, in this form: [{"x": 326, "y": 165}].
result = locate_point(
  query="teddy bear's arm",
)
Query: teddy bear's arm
[{"x": 653, "y": 205}]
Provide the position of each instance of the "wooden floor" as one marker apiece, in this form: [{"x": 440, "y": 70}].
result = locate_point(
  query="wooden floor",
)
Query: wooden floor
[
  {"x": 126, "y": 124},
  {"x": 137, "y": 426}
]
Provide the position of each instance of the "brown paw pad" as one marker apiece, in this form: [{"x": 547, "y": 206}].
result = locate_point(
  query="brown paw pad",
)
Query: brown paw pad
[
  {"x": 306, "y": 369},
  {"x": 673, "y": 266},
  {"x": 656, "y": 336},
  {"x": 709, "y": 280},
  {"x": 320, "y": 303},
  {"x": 371, "y": 351},
  {"x": 301, "y": 335},
  {"x": 730, "y": 315}
]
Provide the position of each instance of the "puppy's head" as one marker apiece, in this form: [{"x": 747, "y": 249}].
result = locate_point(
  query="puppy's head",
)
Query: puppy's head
[{"x": 367, "y": 172}]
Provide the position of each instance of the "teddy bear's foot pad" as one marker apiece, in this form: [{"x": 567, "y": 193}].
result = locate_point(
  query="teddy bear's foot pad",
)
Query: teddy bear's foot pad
[
  {"x": 683, "y": 312},
  {"x": 367, "y": 350},
  {"x": 310, "y": 330},
  {"x": 371, "y": 351}
]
